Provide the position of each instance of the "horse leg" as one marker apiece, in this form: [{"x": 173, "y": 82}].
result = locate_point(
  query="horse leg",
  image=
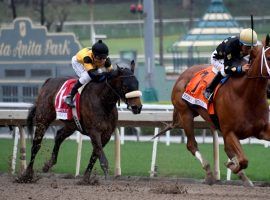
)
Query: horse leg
[
  {"x": 238, "y": 161},
  {"x": 192, "y": 146},
  {"x": 92, "y": 161},
  {"x": 27, "y": 176},
  {"x": 103, "y": 160},
  {"x": 61, "y": 135},
  {"x": 87, "y": 173},
  {"x": 96, "y": 153}
]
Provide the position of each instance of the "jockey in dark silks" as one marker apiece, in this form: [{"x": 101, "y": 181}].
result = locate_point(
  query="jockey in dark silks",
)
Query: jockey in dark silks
[
  {"x": 88, "y": 64},
  {"x": 227, "y": 56}
]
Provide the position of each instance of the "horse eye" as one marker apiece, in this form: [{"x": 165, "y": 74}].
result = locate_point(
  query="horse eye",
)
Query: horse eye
[
  {"x": 125, "y": 88},
  {"x": 268, "y": 58}
]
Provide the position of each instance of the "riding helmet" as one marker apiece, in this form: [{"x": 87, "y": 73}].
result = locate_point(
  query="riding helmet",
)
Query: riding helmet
[
  {"x": 100, "y": 49},
  {"x": 246, "y": 37}
]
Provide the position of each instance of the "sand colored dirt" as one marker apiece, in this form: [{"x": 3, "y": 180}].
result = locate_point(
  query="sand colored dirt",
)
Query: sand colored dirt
[{"x": 66, "y": 187}]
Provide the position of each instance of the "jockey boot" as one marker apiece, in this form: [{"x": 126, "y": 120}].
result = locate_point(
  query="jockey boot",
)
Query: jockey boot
[
  {"x": 209, "y": 91},
  {"x": 74, "y": 90}
]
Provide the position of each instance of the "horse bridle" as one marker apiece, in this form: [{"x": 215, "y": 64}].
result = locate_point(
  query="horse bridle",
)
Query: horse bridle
[
  {"x": 263, "y": 61},
  {"x": 116, "y": 93}
]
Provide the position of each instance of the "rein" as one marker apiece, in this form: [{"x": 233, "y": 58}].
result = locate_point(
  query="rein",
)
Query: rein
[
  {"x": 263, "y": 61},
  {"x": 115, "y": 92}
]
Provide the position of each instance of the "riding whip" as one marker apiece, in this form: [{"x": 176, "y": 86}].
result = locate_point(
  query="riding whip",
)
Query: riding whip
[{"x": 252, "y": 28}]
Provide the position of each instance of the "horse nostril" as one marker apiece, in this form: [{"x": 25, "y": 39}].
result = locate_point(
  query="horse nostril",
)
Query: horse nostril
[
  {"x": 136, "y": 109},
  {"x": 140, "y": 108}
]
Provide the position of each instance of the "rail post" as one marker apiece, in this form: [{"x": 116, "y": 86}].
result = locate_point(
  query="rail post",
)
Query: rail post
[
  {"x": 154, "y": 155},
  {"x": 15, "y": 148},
  {"x": 78, "y": 162},
  {"x": 117, "y": 153},
  {"x": 22, "y": 149},
  {"x": 216, "y": 155}
]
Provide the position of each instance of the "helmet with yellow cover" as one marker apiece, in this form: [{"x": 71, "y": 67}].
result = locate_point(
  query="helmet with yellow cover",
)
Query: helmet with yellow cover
[{"x": 246, "y": 37}]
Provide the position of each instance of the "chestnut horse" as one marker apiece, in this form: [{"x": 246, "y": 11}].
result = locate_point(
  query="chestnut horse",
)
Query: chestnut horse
[
  {"x": 98, "y": 116},
  {"x": 241, "y": 108}
]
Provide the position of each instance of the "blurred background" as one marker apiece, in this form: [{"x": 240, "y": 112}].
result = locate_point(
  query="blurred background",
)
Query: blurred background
[{"x": 164, "y": 37}]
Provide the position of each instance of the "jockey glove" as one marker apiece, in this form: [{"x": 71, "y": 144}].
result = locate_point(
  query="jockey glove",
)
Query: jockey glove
[
  {"x": 96, "y": 76},
  {"x": 233, "y": 70},
  {"x": 107, "y": 63}
]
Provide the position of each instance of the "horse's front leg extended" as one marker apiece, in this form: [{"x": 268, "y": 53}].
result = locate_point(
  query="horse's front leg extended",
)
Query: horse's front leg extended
[
  {"x": 104, "y": 164},
  {"x": 61, "y": 135},
  {"x": 97, "y": 153},
  {"x": 92, "y": 161},
  {"x": 238, "y": 160},
  {"x": 87, "y": 173},
  {"x": 235, "y": 153}
]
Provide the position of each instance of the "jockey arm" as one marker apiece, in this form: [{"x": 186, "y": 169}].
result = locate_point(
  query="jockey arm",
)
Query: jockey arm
[
  {"x": 231, "y": 67},
  {"x": 89, "y": 65},
  {"x": 233, "y": 55},
  {"x": 108, "y": 65},
  {"x": 231, "y": 64},
  {"x": 97, "y": 76}
]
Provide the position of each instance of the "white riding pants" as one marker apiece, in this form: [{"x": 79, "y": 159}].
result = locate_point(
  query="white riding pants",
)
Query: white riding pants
[
  {"x": 80, "y": 71},
  {"x": 218, "y": 64}
]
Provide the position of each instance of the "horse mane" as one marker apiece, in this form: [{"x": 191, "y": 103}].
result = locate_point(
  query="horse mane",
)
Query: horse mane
[
  {"x": 254, "y": 52},
  {"x": 45, "y": 82},
  {"x": 266, "y": 40}
]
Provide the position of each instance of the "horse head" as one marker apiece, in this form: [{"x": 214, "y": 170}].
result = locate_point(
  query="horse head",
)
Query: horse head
[
  {"x": 126, "y": 86},
  {"x": 260, "y": 60},
  {"x": 265, "y": 58}
]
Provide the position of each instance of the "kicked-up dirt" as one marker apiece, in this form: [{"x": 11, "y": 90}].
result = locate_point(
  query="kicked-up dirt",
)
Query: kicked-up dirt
[{"x": 64, "y": 187}]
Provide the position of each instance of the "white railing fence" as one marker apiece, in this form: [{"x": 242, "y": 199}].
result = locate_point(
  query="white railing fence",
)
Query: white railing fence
[{"x": 15, "y": 114}]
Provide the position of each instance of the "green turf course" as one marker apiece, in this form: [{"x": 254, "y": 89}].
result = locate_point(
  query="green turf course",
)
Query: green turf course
[{"x": 172, "y": 161}]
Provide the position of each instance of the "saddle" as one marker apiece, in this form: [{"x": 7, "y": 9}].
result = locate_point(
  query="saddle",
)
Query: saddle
[
  {"x": 196, "y": 87},
  {"x": 63, "y": 111}
]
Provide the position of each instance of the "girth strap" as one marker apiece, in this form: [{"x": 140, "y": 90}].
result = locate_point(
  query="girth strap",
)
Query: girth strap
[{"x": 76, "y": 119}]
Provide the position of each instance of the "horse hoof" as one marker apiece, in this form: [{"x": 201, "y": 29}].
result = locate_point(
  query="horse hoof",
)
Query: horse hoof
[
  {"x": 24, "y": 179},
  {"x": 93, "y": 181},
  {"x": 106, "y": 177},
  {"x": 246, "y": 181},
  {"x": 45, "y": 168},
  {"x": 209, "y": 179},
  {"x": 83, "y": 182}
]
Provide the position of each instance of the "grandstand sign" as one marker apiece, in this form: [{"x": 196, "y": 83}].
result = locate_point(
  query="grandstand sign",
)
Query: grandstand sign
[
  {"x": 29, "y": 55},
  {"x": 25, "y": 42}
]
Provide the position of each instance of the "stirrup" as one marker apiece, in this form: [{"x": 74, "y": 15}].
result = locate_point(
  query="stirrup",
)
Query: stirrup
[{"x": 69, "y": 101}]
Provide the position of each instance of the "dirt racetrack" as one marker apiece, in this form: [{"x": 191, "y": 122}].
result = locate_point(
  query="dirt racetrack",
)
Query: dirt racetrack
[{"x": 129, "y": 188}]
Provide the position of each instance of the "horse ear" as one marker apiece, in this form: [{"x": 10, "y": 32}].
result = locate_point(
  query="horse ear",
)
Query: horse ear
[
  {"x": 118, "y": 68},
  {"x": 254, "y": 52},
  {"x": 132, "y": 66},
  {"x": 267, "y": 40}
]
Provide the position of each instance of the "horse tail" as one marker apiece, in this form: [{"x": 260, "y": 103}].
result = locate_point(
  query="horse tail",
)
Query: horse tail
[
  {"x": 167, "y": 128},
  {"x": 32, "y": 113},
  {"x": 30, "y": 119},
  {"x": 45, "y": 82}
]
